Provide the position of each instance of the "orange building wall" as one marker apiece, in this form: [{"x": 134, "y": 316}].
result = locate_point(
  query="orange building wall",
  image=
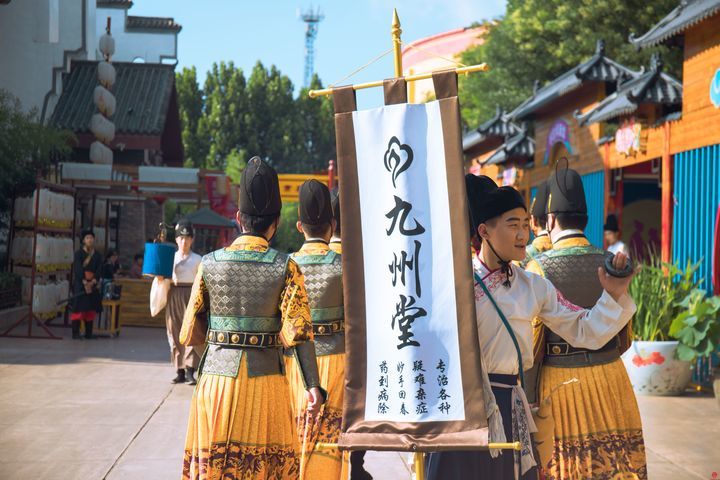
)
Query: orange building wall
[
  {"x": 700, "y": 124},
  {"x": 586, "y": 156}
]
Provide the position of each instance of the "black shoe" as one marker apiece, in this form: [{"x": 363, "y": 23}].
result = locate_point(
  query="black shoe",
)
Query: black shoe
[
  {"x": 180, "y": 376},
  {"x": 76, "y": 330},
  {"x": 190, "y": 376},
  {"x": 88, "y": 331}
]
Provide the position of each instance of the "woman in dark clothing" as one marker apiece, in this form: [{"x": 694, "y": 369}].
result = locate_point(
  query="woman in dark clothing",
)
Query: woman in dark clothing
[
  {"x": 111, "y": 266},
  {"x": 86, "y": 300}
]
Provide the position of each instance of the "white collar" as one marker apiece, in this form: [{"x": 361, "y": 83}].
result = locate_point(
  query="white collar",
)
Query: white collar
[{"x": 556, "y": 237}]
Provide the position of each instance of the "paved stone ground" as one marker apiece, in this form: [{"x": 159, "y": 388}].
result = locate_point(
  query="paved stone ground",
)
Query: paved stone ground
[{"x": 105, "y": 409}]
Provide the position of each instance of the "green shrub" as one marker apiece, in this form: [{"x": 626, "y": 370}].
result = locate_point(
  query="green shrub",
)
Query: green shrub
[{"x": 658, "y": 290}]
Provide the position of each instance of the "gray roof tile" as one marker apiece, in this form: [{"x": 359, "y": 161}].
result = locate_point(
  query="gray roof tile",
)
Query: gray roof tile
[
  {"x": 686, "y": 14},
  {"x": 142, "y": 92}
]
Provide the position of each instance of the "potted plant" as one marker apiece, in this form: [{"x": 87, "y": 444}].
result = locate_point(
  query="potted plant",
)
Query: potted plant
[
  {"x": 659, "y": 290},
  {"x": 697, "y": 329}
]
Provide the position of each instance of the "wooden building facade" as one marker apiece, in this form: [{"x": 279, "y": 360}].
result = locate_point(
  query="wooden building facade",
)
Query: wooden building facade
[{"x": 646, "y": 144}]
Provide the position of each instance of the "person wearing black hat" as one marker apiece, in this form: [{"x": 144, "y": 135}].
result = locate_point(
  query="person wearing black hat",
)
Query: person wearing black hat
[
  {"x": 538, "y": 224},
  {"x": 507, "y": 299},
  {"x": 611, "y": 231},
  {"x": 336, "y": 240},
  {"x": 86, "y": 300},
  {"x": 176, "y": 293},
  {"x": 255, "y": 300},
  {"x": 322, "y": 269},
  {"x": 612, "y": 442}
]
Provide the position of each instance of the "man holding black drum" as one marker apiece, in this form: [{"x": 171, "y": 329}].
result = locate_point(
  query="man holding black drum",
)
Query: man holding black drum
[{"x": 176, "y": 292}]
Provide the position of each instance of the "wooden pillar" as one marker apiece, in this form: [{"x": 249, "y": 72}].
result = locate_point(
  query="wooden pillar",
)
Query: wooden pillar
[
  {"x": 666, "y": 198},
  {"x": 608, "y": 179}
]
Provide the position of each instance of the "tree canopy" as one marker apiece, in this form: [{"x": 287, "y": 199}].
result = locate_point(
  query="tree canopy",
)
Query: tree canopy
[
  {"x": 541, "y": 39},
  {"x": 27, "y": 148},
  {"x": 232, "y": 118}
]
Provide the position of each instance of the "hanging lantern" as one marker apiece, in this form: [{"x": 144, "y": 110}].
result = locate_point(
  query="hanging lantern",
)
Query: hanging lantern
[
  {"x": 100, "y": 154},
  {"x": 107, "y": 45},
  {"x": 100, "y": 126},
  {"x": 106, "y": 74},
  {"x": 104, "y": 101}
]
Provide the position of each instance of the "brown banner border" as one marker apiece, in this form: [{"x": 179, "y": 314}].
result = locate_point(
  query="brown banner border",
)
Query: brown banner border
[{"x": 356, "y": 433}]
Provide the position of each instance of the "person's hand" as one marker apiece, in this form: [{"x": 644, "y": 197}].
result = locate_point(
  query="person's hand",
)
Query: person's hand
[
  {"x": 314, "y": 401},
  {"x": 616, "y": 286},
  {"x": 160, "y": 278}
]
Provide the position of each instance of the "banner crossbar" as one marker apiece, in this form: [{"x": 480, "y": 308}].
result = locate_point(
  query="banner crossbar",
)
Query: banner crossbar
[{"x": 483, "y": 67}]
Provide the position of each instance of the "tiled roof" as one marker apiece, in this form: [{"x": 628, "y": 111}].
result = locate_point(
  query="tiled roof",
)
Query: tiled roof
[
  {"x": 519, "y": 146},
  {"x": 152, "y": 23},
  {"x": 499, "y": 126},
  {"x": 653, "y": 86},
  {"x": 686, "y": 14},
  {"x": 598, "y": 68},
  {"x": 114, "y": 3},
  {"x": 142, "y": 92}
]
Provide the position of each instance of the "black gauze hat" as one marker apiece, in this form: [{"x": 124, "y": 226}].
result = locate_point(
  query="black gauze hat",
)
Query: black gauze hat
[
  {"x": 611, "y": 224},
  {"x": 566, "y": 193},
  {"x": 259, "y": 191},
  {"x": 486, "y": 200},
  {"x": 335, "y": 203},
  {"x": 538, "y": 207},
  {"x": 85, "y": 232},
  {"x": 184, "y": 229},
  {"x": 314, "y": 207}
]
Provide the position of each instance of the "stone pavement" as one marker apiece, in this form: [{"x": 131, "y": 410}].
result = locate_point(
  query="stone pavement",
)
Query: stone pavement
[{"x": 106, "y": 409}]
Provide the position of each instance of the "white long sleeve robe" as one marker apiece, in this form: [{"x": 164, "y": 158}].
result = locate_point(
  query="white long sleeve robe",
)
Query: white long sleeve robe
[{"x": 531, "y": 296}]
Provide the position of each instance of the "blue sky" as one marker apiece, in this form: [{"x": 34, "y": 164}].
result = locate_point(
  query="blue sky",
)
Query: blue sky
[{"x": 352, "y": 33}]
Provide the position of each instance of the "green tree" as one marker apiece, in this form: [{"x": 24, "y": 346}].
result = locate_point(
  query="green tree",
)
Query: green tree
[
  {"x": 232, "y": 119},
  {"x": 541, "y": 39},
  {"x": 235, "y": 163},
  {"x": 287, "y": 238},
  {"x": 190, "y": 102},
  {"x": 315, "y": 117},
  {"x": 223, "y": 121},
  {"x": 26, "y": 148}
]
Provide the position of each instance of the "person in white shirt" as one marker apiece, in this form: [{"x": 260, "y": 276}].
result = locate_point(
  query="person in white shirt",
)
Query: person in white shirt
[
  {"x": 177, "y": 293},
  {"x": 612, "y": 236},
  {"x": 500, "y": 218}
]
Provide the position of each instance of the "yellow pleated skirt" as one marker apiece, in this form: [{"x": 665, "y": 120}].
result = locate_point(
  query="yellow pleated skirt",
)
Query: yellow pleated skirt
[
  {"x": 598, "y": 431},
  {"x": 241, "y": 428},
  {"x": 325, "y": 464}
]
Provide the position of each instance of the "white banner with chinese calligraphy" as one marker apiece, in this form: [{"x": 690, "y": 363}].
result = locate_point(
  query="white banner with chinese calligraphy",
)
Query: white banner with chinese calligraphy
[
  {"x": 413, "y": 378},
  {"x": 413, "y": 362}
]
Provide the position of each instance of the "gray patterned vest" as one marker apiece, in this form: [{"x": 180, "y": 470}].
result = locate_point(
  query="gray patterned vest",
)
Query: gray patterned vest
[
  {"x": 244, "y": 288},
  {"x": 323, "y": 282},
  {"x": 573, "y": 271}
]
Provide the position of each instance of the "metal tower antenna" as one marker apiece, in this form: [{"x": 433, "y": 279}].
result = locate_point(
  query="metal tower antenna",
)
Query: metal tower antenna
[{"x": 312, "y": 19}]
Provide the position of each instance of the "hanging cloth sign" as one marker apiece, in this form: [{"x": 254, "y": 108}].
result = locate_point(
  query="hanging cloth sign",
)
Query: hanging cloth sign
[{"x": 413, "y": 371}]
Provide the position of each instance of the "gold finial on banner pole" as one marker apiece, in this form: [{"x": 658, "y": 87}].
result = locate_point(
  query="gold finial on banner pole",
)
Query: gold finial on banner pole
[{"x": 396, "y": 32}]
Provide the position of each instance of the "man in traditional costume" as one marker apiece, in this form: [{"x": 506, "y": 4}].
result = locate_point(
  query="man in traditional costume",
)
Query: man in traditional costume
[
  {"x": 357, "y": 457},
  {"x": 597, "y": 426},
  {"x": 175, "y": 295},
  {"x": 611, "y": 232},
  {"x": 507, "y": 299},
  {"x": 538, "y": 224},
  {"x": 241, "y": 424},
  {"x": 322, "y": 269},
  {"x": 336, "y": 240},
  {"x": 86, "y": 300}
]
